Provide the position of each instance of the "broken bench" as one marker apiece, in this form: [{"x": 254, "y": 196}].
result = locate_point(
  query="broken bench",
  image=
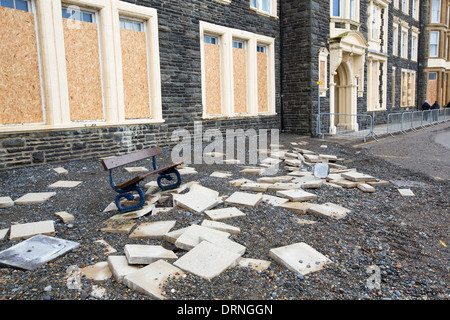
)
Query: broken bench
[{"x": 168, "y": 176}]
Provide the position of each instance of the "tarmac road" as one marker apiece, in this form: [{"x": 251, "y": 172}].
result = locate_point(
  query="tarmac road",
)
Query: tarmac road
[{"x": 426, "y": 151}]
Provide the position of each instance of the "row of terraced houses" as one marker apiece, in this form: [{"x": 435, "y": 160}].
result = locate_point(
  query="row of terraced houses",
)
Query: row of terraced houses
[{"x": 92, "y": 78}]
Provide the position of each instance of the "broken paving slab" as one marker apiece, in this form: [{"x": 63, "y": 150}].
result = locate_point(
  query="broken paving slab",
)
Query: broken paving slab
[
  {"x": 34, "y": 197},
  {"x": 406, "y": 192},
  {"x": 28, "y": 230},
  {"x": 134, "y": 214},
  {"x": 239, "y": 182},
  {"x": 297, "y": 195},
  {"x": 120, "y": 267},
  {"x": 297, "y": 207},
  {"x": 65, "y": 217},
  {"x": 152, "y": 230},
  {"x": 146, "y": 254},
  {"x": 65, "y": 184},
  {"x": 329, "y": 210},
  {"x": 150, "y": 279},
  {"x": 35, "y": 251},
  {"x": 365, "y": 187},
  {"x": 255, "y": 264},
  {"x": 3, "y": 233},
  {"x": 357, "y": 176},
  {"x": 273, "y": 200},
  {"x": 98, "y": 272},
  {"x": 187, "y": 170},
  {"x": 220, "y": 226},
  {"x": 244, "y": 199},
  {"x": 191, "y": 236},
  {"x": 345, "y": 183},
  {"x": 108, "y": 247},
  {"x": 207, "y": 260},
  {"x": 172, "y": 236},
  {"x": 255, "y": 186},
  {"x": 283, "y": 186},
  {"x": 224, "y": 213},
  {"x": 118, "y": 226},
  {"x": 299, "y": 258},
  {"x": 6, "y": 202},
  {"x": 221, "y": 174}
]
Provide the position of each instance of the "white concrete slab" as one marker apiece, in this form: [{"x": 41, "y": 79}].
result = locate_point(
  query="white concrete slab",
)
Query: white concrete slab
[
  {"x": 224, "y": 213},
  {"x": 65, "y": 217},
  {"x": 65, "y": 184},
  {"x": 196, "y": 201},
  {"x": 60, "y": 170},
  {"x": 299, "y": 258},
  {"x": 3, "y": 233},
  {"x": 283, "y": 186},
  {"x": 220, "y": 226},
  {"x": 244, "y": 199},
  {"x": 221, "y": 174},
  {"x": 239, "y": 182},
  {"x": 146, "y": 254},
  {"x": 187, "y": 170},
  {"x": 329, "y": 210},
  {"x": 365, "y": 187},
  {"x": 98, "y": 272},
  {"x": 28, "y": 230},
  {"x": 118, "y": 225},
  {"x": 152, "y": 230},
  {"x": 34, "y": 197},
  {"x": 191, "y": 236},
  {"x": 346, "y": 183},
  {"x": 255, "y": 264},
  {"x": 406, "y": 192},
  {"x": 35, "y": 251},
  {"x": 255, "y": 186},
  {"x": 297, "y": 207},
  {"x": 273, "y": 200},
  {"x": 224, "y": 243},
  {"x": 296, "y": 195},
  {"x": 172, "y": 236},
  {"x": 150, "y": 279},
  {"x": 207, "y": 260},
  {"x": 120, "y": 268},
  {"x": 357, "y": 176},
  {"x": 6, "y": 202}
]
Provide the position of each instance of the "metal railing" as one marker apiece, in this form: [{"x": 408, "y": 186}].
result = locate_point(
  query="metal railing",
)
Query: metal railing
[
  {"x": 343, "y": 124},
  {"x": 414, "y": 120}
]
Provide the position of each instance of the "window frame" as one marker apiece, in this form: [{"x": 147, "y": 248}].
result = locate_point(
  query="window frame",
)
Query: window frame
[
  {"x": 435, "y": 13},
  {"x": 434, "y": 53}
]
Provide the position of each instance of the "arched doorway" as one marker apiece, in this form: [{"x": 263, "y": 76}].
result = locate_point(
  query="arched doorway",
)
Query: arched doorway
[{"x": 344, "y": 98}]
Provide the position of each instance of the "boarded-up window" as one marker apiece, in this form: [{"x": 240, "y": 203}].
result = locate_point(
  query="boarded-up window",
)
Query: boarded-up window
[
  {"x": 135, "y": 69},
  {"x": 262, "y": 62},
  {"x": 212, "y": 76},
  {"x": 240, "y": 76},
  {"x": 84, "y": 80},
  {"x": 20, "y": 83}
]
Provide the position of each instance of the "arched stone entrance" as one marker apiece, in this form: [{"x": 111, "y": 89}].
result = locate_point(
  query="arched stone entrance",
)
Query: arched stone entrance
[{"x": 347, "y": 55}]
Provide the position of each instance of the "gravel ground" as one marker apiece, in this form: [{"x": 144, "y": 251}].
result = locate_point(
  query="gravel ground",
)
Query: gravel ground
[{"x": 406, "y": 237}]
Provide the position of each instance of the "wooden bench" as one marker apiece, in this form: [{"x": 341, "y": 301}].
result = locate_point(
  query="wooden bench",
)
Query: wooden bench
[{"x": 169, "y": 177}]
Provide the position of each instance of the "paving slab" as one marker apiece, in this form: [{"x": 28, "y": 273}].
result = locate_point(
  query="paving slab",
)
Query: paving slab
[
  {"x": 297, "y": 207},
  {"x": 365, "y": 187},
  {"x": 239, "y": 182},
  {"x": 191, "y": 236},
  {"x": 6, "y": 202},
  {"x": 3, "y": 233},
  {"x": 299, "y": 258},
  {"x": 60, "y": 170},
  {"x": 36, "y": 251},
  {"x": 406, "y": 192},
  {"x": 224, "y": 213},
  {"x": 187, "y": 170},
  {"x": 346, "y": 183},
  {"x": 146, "y": 254},
  {"x": 120, "y": 268},
  {"x": 220, "y": 226},
  {"x": 65, "y": 217},
  {"x": 207, "y": 260},
  {"x": 244, "y": 199},
  {"x": 283, "y": 186},
  {"x": 328, "y": 209},
  {"x": 221, "y": 174},
  {"x": 272, "y": 180},
  {"x": 255, "y": 264},
  {"x": 28, "y": 230},
  {"x": 224, "y": 243},
  {"x": 150, "y": 279},
  {"x": 197, "y": 201},
  {"x": 65, "y": 184},
  {"x": 273, "y": 200},
  {"x": 357, "y": 176},
  {"x": 255, "y": 186},
  {"x": 34, "y": 197},
  {"x": 106, "y": 245},
  {"x": 378, "y": 183},
  {"x": 152, "y": 230},
  {"x": 252, "y": 171},
  {"x": 146, "y": 209},
  {"x": 297, "y": 195},
  {"x": 172, "y": 236},
  {"x": 118, "y": 226},
  {"x": 98, "y": 272}
]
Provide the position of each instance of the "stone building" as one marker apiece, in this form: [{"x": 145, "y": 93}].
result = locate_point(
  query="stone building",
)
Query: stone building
[{"x": 92, "y": 78}]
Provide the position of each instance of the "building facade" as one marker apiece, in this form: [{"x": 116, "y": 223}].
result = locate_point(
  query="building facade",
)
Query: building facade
[{"x": 92, "y": 78}]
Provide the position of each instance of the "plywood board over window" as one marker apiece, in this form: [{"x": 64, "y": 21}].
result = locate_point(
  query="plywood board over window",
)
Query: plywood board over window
[
  {"x": 240, "y": 80},
  {"x": 212, "y": 78},
  {"x": 135, "y": 74},
  {"x": 263, "y": 101},
  {"x": 83, "y": 70},
  {"x": 20, "y": 84}
]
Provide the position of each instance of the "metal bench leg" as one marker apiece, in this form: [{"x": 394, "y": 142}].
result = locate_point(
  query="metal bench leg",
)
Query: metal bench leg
[
  {"x": 169, "y": 176},
  {"x": 126, "y": 193}
]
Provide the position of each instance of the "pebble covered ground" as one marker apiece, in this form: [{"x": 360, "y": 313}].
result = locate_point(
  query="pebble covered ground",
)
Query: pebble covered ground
[{"x": 405, "y": 237}]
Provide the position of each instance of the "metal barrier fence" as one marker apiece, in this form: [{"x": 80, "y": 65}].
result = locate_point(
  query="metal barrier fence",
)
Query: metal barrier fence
[
  {"x": 343, "y": 124},
  {"x": 414, "y": 120}
]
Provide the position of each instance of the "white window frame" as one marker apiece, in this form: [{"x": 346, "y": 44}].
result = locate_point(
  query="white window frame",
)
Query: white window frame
[
  {"x": 435, "y": 11},
  {"x": 414, "y": 46},
  {"x": 257, "y": 6},
  {"x": 395, "y": 39},
  {"x": 405, "y": 6},
  {"x": 434, "y": 53},
  {"x": 252, "y": 40},
  {"x": 29, "y": 5},
  {"x": 415, "y": 9},
  {"x": 404, "y": 43}
]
